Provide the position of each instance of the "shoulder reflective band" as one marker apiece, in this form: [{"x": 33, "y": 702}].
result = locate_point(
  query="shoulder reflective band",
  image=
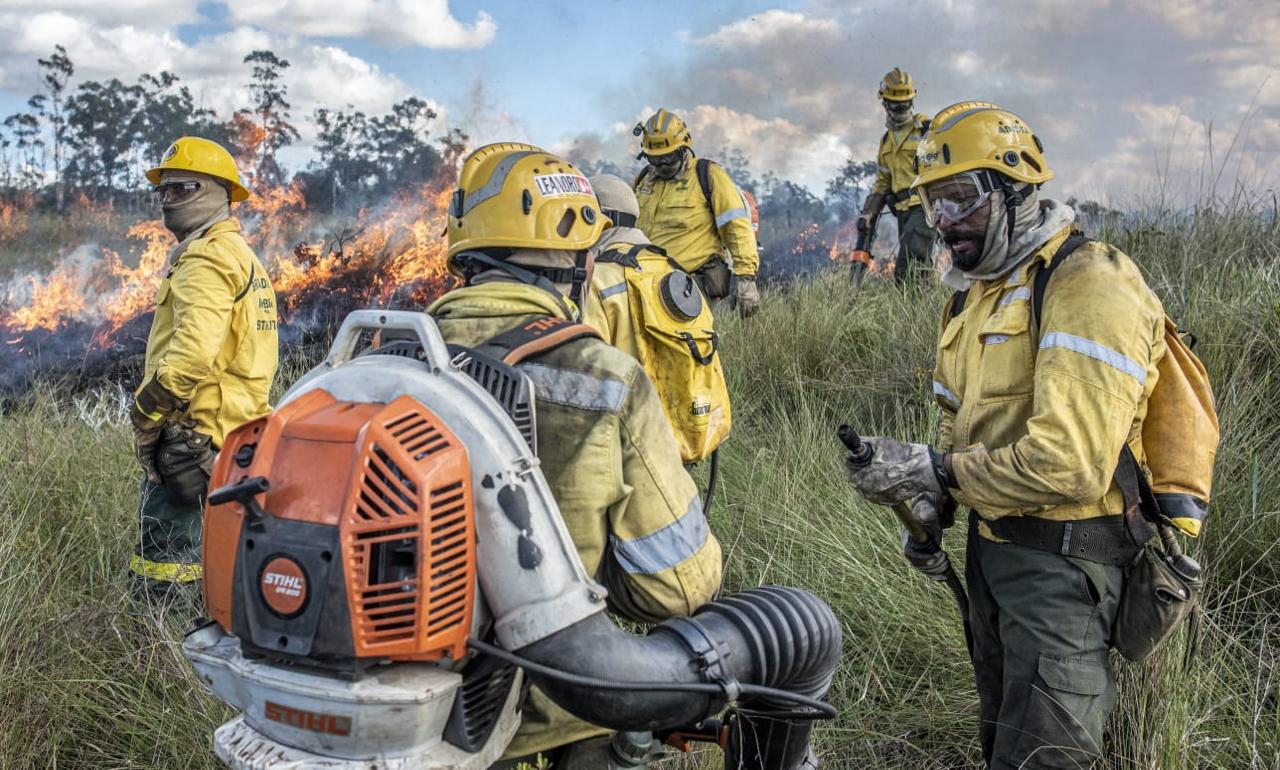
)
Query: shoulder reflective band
[
  {"x": 941, "y": 390},
  {"x": 665, "y": 548},
  {"x": 731, "y": 215},
  {"x": 1095, "y": 351}
]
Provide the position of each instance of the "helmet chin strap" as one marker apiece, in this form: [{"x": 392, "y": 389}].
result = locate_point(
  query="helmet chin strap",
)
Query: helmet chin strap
[{"x": 544, "y": 278}]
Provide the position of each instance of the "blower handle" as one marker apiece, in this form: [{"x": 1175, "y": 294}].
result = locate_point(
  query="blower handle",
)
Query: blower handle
[
  {"x": 860, "y": 455},
  {"x": 244, "y": 492},
  {"x": 359, "y": 321}
]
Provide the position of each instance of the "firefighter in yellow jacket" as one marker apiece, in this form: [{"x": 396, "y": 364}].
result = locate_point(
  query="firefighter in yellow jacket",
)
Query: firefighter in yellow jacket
[
  {"x": 520, "y": 231},
  {"x": 895, "y": 170},
  {"x": 693, "y": 210},
  {"x": 1036, "y": 407},
  {"x": 607, "y": 308},
  {"x": 211, "y": 356}
]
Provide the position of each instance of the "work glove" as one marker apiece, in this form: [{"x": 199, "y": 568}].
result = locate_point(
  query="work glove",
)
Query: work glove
[
  {"x": 152, "y": 407},
  {"x": 184, "y": 462},
  {"x": 145, "y": 443},
  {"x": 897, "y": 472},
  {"x": 747, "y": 296},
  {"x": 928, "y": 557}
]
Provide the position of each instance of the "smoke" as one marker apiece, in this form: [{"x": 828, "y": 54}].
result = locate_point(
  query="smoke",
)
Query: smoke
[{"x": 1118, "y": 92}]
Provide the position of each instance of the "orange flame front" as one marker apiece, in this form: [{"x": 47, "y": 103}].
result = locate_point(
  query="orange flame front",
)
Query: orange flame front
[{"x": 399, "y": 243}]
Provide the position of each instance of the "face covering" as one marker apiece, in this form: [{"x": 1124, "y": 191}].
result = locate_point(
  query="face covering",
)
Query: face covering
[
  {"x": 1034, "y": 223},
  {"x": 191, "y": 215},
  {"x": 672, "y": 168},
  {"x": 897, "y": 115}
]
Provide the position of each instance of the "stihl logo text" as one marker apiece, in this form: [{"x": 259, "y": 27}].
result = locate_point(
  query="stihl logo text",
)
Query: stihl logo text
[
  {"x": 286, "y": 585},
  {"x": 315, "y": 721}
]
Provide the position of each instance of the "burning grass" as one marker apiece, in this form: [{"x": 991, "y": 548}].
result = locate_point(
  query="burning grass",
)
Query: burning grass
[{"x": 86, "y": 317}]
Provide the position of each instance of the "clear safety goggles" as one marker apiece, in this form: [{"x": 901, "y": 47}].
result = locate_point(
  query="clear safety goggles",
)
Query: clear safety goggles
[
  {"x": 171, "y": 193},
  {"x": 954, "y": 198},
  {"x": 897, "y": 107}
]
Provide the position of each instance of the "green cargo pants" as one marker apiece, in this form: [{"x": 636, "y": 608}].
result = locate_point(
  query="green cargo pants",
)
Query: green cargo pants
[
  {"x": 915, "y": 244},
  {"x": 1041, "y": 632},
  {"x": 169, "y": 543}
]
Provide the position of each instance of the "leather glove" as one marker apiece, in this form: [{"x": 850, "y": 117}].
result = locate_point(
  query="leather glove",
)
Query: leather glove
[
  {"x": 747, "y": 296},
  {"x": 185, "y": 462},
  {"x": 928, "y": 557},
  {"x": 897, "y": 472},
  {"x": 145, "y": 444}
]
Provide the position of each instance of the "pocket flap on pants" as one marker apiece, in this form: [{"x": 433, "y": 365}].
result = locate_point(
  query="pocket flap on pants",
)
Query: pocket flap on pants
[{"x": 1077, "y": 675}]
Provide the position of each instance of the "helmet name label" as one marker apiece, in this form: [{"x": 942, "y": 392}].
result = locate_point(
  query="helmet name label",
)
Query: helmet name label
[{"x": 555, "y": 185}]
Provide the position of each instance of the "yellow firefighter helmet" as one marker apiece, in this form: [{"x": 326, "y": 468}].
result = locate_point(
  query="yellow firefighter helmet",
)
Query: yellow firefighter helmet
[
  {"x": 897, "y": 86},
  {"x": 663, "y": 133},
  {"x": 975, "y": 135},
  {"x": 514, "y": 196},
  {"x": 191, "y": 153}
]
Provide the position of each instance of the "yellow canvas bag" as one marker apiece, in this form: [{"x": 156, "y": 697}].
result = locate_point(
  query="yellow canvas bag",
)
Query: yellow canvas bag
[{"x": 678, "y": 347}]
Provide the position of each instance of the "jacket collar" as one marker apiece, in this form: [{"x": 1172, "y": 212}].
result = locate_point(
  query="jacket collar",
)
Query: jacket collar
[{"x": 497, "y": 299}]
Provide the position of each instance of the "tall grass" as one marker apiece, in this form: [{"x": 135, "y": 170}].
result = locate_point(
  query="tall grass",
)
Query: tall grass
[{"x": 91, "y": 679}]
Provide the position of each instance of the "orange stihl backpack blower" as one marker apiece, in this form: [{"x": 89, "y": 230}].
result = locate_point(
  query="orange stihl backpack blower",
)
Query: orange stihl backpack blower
[{"x": 384, "y": 563}]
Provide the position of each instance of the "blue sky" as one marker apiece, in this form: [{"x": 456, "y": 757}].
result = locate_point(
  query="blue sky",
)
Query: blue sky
[{"x": 1128, "y": 94}]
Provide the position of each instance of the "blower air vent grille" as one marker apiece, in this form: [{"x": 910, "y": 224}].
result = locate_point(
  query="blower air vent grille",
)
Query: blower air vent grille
[{"x": 409, "y": 539}]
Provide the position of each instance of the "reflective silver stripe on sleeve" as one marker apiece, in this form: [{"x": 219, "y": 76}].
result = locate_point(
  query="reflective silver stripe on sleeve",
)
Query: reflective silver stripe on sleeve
[
  {"x": 609, "y": 291},
  {"x": 665, "y": 548},
  {"x": 1096, "y": 351},
  {"x": 941, "y": 390},
  {"x": 1023, "y": 292},
  {"x": 731, "y": 215},
  {"x": 581, "y": 391}
]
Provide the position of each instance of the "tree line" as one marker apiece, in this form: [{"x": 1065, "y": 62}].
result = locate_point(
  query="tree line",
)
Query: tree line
[{"x": 95, "y": 138}]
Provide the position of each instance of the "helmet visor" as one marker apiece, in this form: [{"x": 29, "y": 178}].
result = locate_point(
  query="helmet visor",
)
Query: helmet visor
[{"x": 954, "y": 198}]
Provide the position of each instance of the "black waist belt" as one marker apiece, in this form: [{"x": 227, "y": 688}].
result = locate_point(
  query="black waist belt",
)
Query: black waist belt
[{"x": 1104, "y": 539}]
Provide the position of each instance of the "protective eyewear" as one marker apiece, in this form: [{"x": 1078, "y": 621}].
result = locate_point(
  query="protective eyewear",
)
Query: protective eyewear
[
  {"x": 664, "y": 161},
  {"x": 169, "y": 193},
  {"x": 954, "y": 198},
  {"x": 893, "y": 106}
]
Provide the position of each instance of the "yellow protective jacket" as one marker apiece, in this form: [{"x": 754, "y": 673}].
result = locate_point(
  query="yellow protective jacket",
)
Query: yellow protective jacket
[
  {"x": 607, "y": 308},
  {"x": 213, "y": 339},
  {"x": 610, "y": 457},
  {"x": 674, "y": 214},
  {"x": 895, "y": 163},
  {"x": 1037, "y": 417}
]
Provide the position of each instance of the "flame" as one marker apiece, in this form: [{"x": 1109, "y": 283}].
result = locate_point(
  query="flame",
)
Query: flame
[
  {"x": 392, "y": 253},
  {"x": 137, "y": 285},
  {"x": 54, "y": 300},
  {"x": 842, "y": 251}
]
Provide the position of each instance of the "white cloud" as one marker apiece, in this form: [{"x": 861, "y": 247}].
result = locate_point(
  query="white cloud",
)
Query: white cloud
[
  {"x": 768, "y": 27},
  {"x": 426, "y": 23},
  {"x": 1120, "y": 92},
  {"x": 148, "y": 14},
  {"x": 212, "y": 67}
]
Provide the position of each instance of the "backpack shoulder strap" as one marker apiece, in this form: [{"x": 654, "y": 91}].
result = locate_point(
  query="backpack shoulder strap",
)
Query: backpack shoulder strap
[
  {"x": 253, "y": 272},
  {"x": 629, "y": 257},
  {"x": 957, "y": 303},
  {"x": 703, "y": 169},
  {"x": 640, "y": 177},
  {"x": 1073, "y": 242},
  {"x": 924, "y": 124},
  {"x": 534, "y": 337}
]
